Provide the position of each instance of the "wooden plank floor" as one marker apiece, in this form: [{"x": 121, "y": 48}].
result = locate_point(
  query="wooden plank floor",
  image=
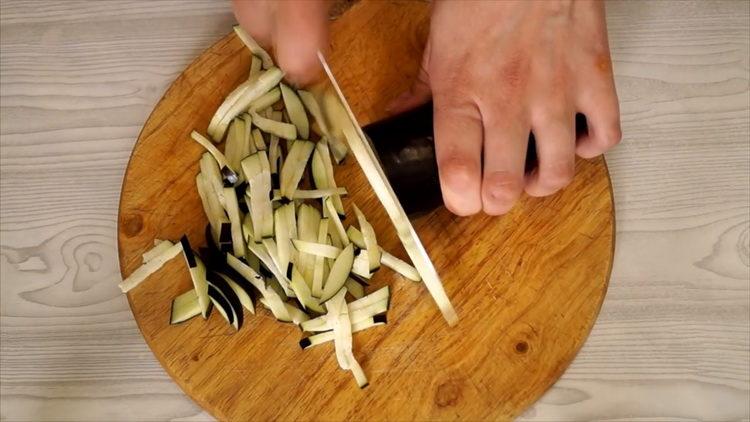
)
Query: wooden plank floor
[{"x": 78, "y": 78}]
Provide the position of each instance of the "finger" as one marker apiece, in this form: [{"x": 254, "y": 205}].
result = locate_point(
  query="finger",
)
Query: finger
[
  {"x": 301, "y": 30},
  {"x": 420, "y": 91},
  {"x": 255, "y": 17},
  {"x": 458, "y": 149},
  {"x": 505, "y": 143},
  {"x": 598, "y": 102},
  {"x": 555, "y": 146}
]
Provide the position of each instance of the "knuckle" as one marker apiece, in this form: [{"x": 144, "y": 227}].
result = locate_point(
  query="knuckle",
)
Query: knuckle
[
  {"x": 611, "y": 137},
  {"x": 558, "y": 174},
  {"x": 458, "y": 171},
  {"x": 501, "y": 190}
]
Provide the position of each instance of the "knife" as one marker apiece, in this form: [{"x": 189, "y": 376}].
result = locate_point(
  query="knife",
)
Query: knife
[{"x": 368, "y": 161}]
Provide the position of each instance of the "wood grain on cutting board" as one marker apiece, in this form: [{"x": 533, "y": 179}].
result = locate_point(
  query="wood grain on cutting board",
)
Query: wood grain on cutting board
[{"x": 527, "y": 286}]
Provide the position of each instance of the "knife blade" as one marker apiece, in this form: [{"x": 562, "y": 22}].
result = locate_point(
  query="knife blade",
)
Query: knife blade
[{"x": 368, "y": 161}]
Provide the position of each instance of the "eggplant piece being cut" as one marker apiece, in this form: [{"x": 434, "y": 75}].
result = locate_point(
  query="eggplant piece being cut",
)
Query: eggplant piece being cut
[
  {"x": 150, "y": 267},
  {"x": 184, "y": 307},
  {"x": 367, "y": 160}
]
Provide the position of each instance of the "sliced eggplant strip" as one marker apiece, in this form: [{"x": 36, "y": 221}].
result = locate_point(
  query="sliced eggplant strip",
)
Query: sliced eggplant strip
[
  {"x": 212, "y": 173},
  {"x": 265, "y": 101},
  {"x": 336, "y": 223},
  {"x": 368, "y": 162},
  {"x": 388, "y": 260},
  {"x": 319, "y": 273},
  {"x": 340, "y": 270},
  {"x": 371, "y": 243},
  {"x": 234, "y": 148},
  {"x": 197, "y": 274},
  {"x": 150, "y": 267},
  {"x": 259, "y": 250},
  {"x": 255, "y": 66},
  {"x": 311, "y": 193},
  {"x": 327, "y": 336},
  {"x": 312, "y": 106},
  {"x": 235, "y": 306},
  {"x": 295, "y": 315},
  {"x": 280, "y": 129},
  {"x": 274, "y": 154},
  {"x": 258, "y": 141},
  {"x": 248, "y": 140},
  {"x": 361, "y": 265},
  {"x": 308, "y": 224},
  {"x": 243, "y": 291},
  {"x": 296, "y": 111},
  {"x": 283, "y": 240},
  {"x": 322, "y": 172},
  {"x": 160, "y": 246},
  {"x": 228, "y": 174},
  {"x": 302, "y": 291},
  {"x": 338, "y": 314},
  {"x": 258, "y": 176},
  {"x": 322, "y": 323},
  {"x": 354, "y": 288},
  {"x": 184, "y": 307},
  {"x": 399, "y": 266},
  {"x": 384, "y": 293},
  {"x": 221, "y": 303},
  {"x": 217, "y": 218},
  {"x": 338, "y": 317},
  {"x": 317, "y": 249},
  {"x": 235, "y": 220},
  {"x": 254, "y": 47},
  {"x": 247, "y": 272},
  {"x": 257, "y": 87}
]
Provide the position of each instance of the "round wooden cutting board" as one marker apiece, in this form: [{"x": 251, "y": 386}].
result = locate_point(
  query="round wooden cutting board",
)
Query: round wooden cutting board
[{"x": 527, "y": 286}]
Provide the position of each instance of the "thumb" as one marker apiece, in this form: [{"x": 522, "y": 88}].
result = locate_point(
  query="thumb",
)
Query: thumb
[
  {"x": 301, "y": 30},
  {"x": 420, "y": 91}
]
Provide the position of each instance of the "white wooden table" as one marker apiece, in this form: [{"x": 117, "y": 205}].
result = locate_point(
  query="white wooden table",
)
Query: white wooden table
[{"x": 77, "y": 80}]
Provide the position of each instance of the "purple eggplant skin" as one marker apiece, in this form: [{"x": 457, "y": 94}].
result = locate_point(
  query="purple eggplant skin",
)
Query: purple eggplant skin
[
  {"x": 214, "y": 293},
  {"x": 406, "y": 148},
  {"x": 215, "y": 280},
  {"x": 405, "y": 144}
]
